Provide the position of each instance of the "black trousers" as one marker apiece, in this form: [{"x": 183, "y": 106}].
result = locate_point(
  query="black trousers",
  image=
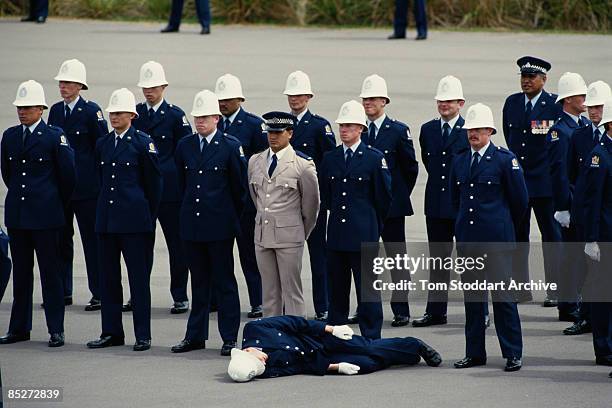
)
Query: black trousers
[
  {"x": 318, "y": 264},
  {"x": 168, "y": 216},
  {"x": 394, "y": 233},
  {"x": 440, "y": 234},
  {"x": 45, "y": 243}
]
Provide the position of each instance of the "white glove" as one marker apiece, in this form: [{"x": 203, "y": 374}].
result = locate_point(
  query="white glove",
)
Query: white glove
[
  {"x": 348, "y": 369},
  {"x": 343, "y": 332},
  {"x": 563, "y": 218},
  {"x": 592, "y": 250}
]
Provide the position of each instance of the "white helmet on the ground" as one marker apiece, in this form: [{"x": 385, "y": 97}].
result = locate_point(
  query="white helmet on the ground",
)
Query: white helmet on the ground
[
  {"x": 352, "y": 112},
  {"x": 73, "y": 70},
  {"x": 598, "y": 93},
  {"x": 205, "y": 103},
  {"x": 449, "y": 89},
  {"x": 244, "y": 366},
  {"x": 479, "y": 116},
  {"x": 298, "y": 83},
  {"x": 30, "y": 93},
  {"x": 122, "y": 100},
  {"x": 571, "y": 84},
  {"x": 374, "y": 86},
  {"x": 228, "y": 86}
]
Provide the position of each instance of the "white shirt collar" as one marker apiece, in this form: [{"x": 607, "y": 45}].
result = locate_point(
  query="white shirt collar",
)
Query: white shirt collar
[
  {"x": 72, "y": 104},
  {"x": 353, "y": 147},
  {"x": 232, "y": 117},
  {"x": 208, "y": 137},
  {"x": 155, "y": 107},
  {"x": 301, "y": 115},
  {"x": 534, "y": 100},
  {"x": 122, "y": 134},
  {"x": 451, "y": 123},
  {"x": 279, "y": 154},
  {"x": 602, "y": 129},
  {"x": 378, "y": 122},
  {"x": 574, "y": 117},
  {"x": 31, "y": 127},
  {"x": 482, "y": 151}
]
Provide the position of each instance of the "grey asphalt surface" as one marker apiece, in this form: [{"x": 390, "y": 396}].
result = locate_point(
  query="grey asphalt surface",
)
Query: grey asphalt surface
[{"x": 558, "y": 370}]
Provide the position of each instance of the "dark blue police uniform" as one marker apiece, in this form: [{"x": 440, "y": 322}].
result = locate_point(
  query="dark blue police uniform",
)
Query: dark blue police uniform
[
  {"x": 166, "y": 126},
  {"x": 248, "y": 129},
  {"x": 400, "y": 18},
  {"x": 491, "y": 199},
  {"x": 525, "y": 134},
  {"x": 213, "y": 185},
  {"x": 358, "y": 198},
  {"x": 83, "y": 126},
  {"x": 202, "y": 11},
  {"x": 393, "y": 139},
  {"x": 130, "y": 193},
  {"x": 313, "y": 136},
  {"x": 38, "y": 169},
  {"x": 295, "y": 345},
  {"x": 437, "y": 153}
]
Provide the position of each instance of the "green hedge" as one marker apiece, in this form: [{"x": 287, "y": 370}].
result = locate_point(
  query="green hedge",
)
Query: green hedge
[{"x": 582, "y": 15}]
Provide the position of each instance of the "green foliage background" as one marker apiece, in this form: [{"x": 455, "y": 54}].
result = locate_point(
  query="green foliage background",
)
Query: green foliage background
[{"x": 582, "y": 15}]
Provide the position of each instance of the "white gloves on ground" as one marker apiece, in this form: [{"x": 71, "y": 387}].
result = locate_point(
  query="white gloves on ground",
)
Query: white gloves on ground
[
  {"x": 347, "y": 368},
  {"x": 563, "y": 218},
  {"x": 343, "y": 333},
  {"x": 592, "y": 250}
]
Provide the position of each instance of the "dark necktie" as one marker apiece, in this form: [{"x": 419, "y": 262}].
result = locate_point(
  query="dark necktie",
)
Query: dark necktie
[
  {"x": 445, "y": 133},
  {"x": 226, "y": 124},
  {"x": 151, "y": 113},
  {"x": 26, "y": 135},
  {"x": 203, "y": 145},
  {"x": 528, "y": 109},
  {"x": 272, "y": 165},
  {"x": 372, "y": 133},
  {"x": 349, "y": 157},
  {"x": 475, "y": 160},
  {"x": 596, "y": 136},
  {"x": 117, "y": 139},
  {"x": 580, "y": 122},
  {"x": 67, "y": 112}
]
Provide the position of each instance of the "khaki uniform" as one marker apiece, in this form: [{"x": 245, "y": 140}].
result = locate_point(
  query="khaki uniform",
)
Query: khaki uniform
[{"x": 287, "y": 207}]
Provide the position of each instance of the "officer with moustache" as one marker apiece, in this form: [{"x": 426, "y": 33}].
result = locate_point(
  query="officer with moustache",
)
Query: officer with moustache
[{"x": 313, "y": 136}]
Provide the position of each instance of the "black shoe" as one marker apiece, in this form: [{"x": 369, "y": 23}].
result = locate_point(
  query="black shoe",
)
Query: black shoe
[
  {"x": 56, "y": 340},
  {"x": 256, "y": 312},
  {"x": 11, "y": 338},
  {"x": 142, "y": 345},
  {"x": 396, "y": 37},
  {"x": 548, "y": 302},
  {"x": 580, "y": 327},
  {"x": 188, "y": 345},
  {"x": 420, "y": 37},
  {"x": 179, "y": 307},
  {"x": 604, "y": 360},
  {"x": 226, "y": 349},
  {"x": 67, "y": 300},
  {"x": 431, "y": 356},
  {"x": 468, "y": 362},
  {"x": 213, "y": 308},
  {"x": 513, "y": 364},
  {"x": 610, "y": 375},
  {"x": 429, "y": 320},
  {"x": 321, "y": 316},
  {"x": 399, "y": 321},
  {"x": 28, "y": 19},
  {"x": 487, "y": 321},
  {"x": 41, "y": 20},
  {"x": 205, "y": 30},
  {"x": 106, "y": 341},
  {"x": 93, "y": 304},
  {"x": 169, "y": 29},
  {"x": 127, "y": 307},
  {"x": 567, "y": 317},
  {"x": 354, "y": 319}
]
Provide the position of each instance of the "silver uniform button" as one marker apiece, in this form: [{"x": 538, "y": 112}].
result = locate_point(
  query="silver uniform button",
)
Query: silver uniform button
[
  {"x": 113, "y": 164},
  {"x": 471, "y": 222},
  {"x": 23, "y": 161},
  {"x": 266, "y": 221},
  {"x": 197, "y": 214},
  {"x": 344, "y": 193},
  {"x": 471, "y": 210},
  {"x": 344, "y": 180},
  {"x": 471, "y": 197},
  {"x": 344, "y": 207},
  {"x": 268, "y": 195},
  {"x": 471, "y": 184},
  {"x": 110, "y": 201},
  {"x": 442, "y": 188},
  {"x": 200, "y": 172},
  {"x": 443, "y": 177},
  {"x": 112, "y": 188},
  {"x": 22, "y": 198},
  {"x": 23, "y": 174},
  {"x": 198, "y": 186},
  {"x": 343, "y": 220},
  {"x": 197, "y": 200}
]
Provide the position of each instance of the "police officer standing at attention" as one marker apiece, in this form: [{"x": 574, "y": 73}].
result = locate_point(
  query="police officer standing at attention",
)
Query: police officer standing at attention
[
  {"x": 598, "y": 236},
  {"x": 441, "y": 141},
  {"x": 130, "y": 193},
  {"x": 357, "y": 193},
  {"x": 284, "y": 187},
  {"x": 202, "y": 10},
  {"x": 313, "y": 136},
  {"x": 489, "y": 192},
  {"x": 166, "y": 124},
  {"x": 213, "y": 183},
  {"x": 393, "y": 139},
  {"x": 572, "y": 92},
  {"x": 581, "y": 143},
  {"x": 400, "y": 19},
  {"x": 38, "y": 168},
  {"x": 250, "y": 131},
  {"x": 527, "y": 117},
  {"x": 83, "y": 124}
]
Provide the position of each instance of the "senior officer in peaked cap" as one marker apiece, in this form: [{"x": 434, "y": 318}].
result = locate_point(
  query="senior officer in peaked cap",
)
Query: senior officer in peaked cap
[
  {"x": 38, "y": 169},
  {"x": 290, "y": 345},
  {"x": 441, "y": 140},
  {"x": 213, "y": 183},
  {"x": 130, "y": 193},
  {"x": 393, "y": 139},
  {"x": 284, "y": 187},
  {"x": 313, "y": 136},
  {"x": 83, "y": 124},
  {"x": 489, "y": 193},
  {"x": 527, "y": 117},
  {"x": 249, "y": 129},
  {"x": 572, "y": 93},
  {"x": 581, "y": 143},
  {"x": 166, "y": 124},
  {"x": 356, "y": 190},
  {"x": 598, "y": 236}
]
